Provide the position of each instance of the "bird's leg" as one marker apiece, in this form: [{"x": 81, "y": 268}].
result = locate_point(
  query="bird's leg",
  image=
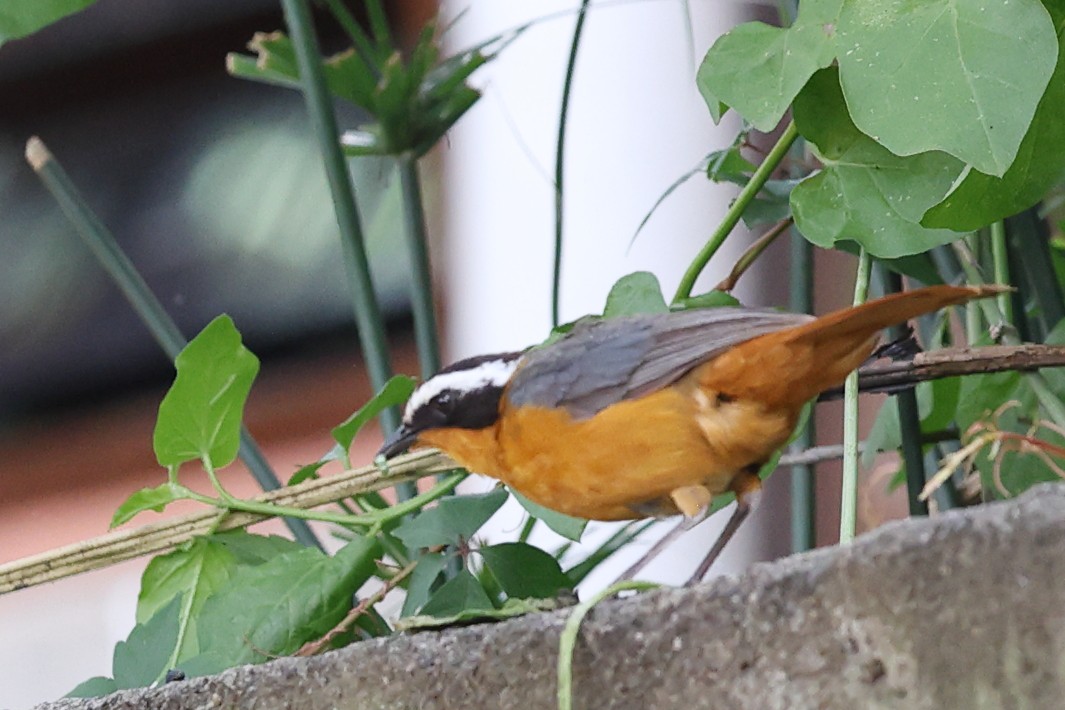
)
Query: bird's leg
[
  {"x": 660, "y": 544},
  {"x": 748, "y": 487},
  {"x": 692, "y": 501}
]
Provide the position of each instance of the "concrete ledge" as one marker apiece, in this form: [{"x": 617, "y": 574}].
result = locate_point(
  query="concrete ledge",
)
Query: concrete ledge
[{"x": 966, "y": 610}]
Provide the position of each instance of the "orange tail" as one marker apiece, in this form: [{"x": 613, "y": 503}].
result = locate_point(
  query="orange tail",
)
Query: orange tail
[{"x": 789, "y": 367}]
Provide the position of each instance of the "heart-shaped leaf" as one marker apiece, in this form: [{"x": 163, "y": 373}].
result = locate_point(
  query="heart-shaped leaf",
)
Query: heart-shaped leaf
[
  {"x": 931, "y": 65},
  {"x": 200, "y": 417}
]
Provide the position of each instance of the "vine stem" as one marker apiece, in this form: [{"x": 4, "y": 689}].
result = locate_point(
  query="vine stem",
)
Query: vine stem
[
  {"x": 732, "y": 217},
  {"x": 560, "y": 150},
  {"x": 568, "y": 639},
  {"x": 372, "y": 520},
  {"x": 848, "y": 512},
  {"x": 1000, "y": 259}
]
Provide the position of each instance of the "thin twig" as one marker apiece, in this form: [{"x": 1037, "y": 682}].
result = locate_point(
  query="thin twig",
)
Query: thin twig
[
  {"x": 735, "y": 211},
  {"x": 560, "y": 151},
  {"x": 753, "y": 252},
  {"x": 950, "y": 362},
  {"x": 312, "y": 648}
]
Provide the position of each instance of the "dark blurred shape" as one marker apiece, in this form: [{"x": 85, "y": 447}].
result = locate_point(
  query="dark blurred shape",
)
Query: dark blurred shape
[{"x": 212, "y": 185}]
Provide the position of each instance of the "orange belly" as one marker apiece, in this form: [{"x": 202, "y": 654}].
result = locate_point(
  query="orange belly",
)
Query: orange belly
[{"x": 628, "y": 458}]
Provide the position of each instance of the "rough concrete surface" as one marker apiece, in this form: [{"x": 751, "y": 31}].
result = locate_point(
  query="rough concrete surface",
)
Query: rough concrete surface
[{"x": 964, "y": 610}]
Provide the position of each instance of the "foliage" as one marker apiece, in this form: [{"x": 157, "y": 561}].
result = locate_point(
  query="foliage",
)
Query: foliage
[
  {"x": 907, "y": 152},
  {"x": 414, "y": 101},
  {"x": 925, "y": 122},
  {"x": 236, "y": 597},
  {"x": 23, "y": 17}
]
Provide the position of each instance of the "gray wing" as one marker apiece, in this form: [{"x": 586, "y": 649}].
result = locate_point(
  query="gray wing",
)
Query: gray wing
[{"x": 604, "y": 362}]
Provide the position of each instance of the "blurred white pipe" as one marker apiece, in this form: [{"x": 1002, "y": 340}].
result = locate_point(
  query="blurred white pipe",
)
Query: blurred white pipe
[{"x": 636, "y": 124}]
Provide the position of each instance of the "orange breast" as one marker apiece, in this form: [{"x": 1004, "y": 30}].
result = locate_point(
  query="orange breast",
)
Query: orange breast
[{"x": 635, "y": 452}]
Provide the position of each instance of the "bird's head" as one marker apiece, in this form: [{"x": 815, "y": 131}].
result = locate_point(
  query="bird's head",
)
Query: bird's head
[{"x": 464, "y": 395}]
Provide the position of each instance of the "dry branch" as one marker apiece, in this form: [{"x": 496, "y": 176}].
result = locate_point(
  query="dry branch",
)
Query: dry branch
[
  {"x": 121, "y": 545},
  {"x": 950, "y": 362}
]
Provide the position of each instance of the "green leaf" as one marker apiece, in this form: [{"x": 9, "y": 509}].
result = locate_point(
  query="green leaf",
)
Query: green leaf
[
  {"x": 192, "y": 575},
  {"x": 565, "y": 525},
  {"x": 959, "y": 76},
  {"x": 919, "y": 266},
  {"x": 142, "y": 658},
  {"x": 249, "y": 549},
  {"x": 511, "y": 608},
  {"x": 395, "y": 392},
  {"x": 203, "y": 570},
  {"x": 937, "y": 405},
  {"x": 633, "y": 294},
  {"x": 525, "y": 571},
  {"x": 306, "y": 473},
  {"x": 864, "y": 192},
  {"x": 275, "y": 63},
  {"x": 421, "y": 582},
  {"x": 729, "y": 165},
  {"x": 771, "y": 205},
  {"x": 93, "y": 688},
  {"x": 981, "y": 199},
  {"x": 983, "y": 394},
  {"x": 460, "y": 593},
  {"x": 147, "y": 499},
  {"x": 19, "y": 18},
  {"x": 201, "y": 414},
  {"x": 758, "y": 70},
  {"x": 710, "y": 299},
  {"x": 275, "y": 607},
  {"x": 454, "y": 519}
]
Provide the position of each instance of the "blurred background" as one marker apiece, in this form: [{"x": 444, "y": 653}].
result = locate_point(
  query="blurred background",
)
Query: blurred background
[{"x": 215, "y": 189}]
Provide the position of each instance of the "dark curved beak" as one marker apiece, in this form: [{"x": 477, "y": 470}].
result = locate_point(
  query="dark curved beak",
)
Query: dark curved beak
[{"x": 402, "y": 439}]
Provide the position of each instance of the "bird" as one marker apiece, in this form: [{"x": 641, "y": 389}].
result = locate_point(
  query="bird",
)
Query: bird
[{"x": 651, "y": 415}]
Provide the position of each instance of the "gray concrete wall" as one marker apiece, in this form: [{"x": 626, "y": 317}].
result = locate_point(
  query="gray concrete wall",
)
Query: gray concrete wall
[{"x": 965, "y": 610}]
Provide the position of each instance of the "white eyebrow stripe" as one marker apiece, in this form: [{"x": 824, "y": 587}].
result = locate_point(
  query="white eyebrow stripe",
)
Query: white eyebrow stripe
[{"x": 494, "y": 373}]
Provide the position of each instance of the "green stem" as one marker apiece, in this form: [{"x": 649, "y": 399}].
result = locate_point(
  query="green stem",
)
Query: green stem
[
  {"x": 443, "y": 487},
  {"x": 527, "y": 528},
  {"x": 1029, "y": 241},
  {"x": 732, "y": 217},
  {"x": 1000, "y": 258},
  {"x": 425, "y": 330},
  {"x": 125, "y": 275},
  {"x": 568, "y": 639},
  {"x": 848, "y": 514},
  {"x": 368, "y": 317},
  {"x": 560, "y": 149},
  {"x": 373, "y": 521},
  {"x": 360, "y": 41},
  {"x": 803, "y": 500}
]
